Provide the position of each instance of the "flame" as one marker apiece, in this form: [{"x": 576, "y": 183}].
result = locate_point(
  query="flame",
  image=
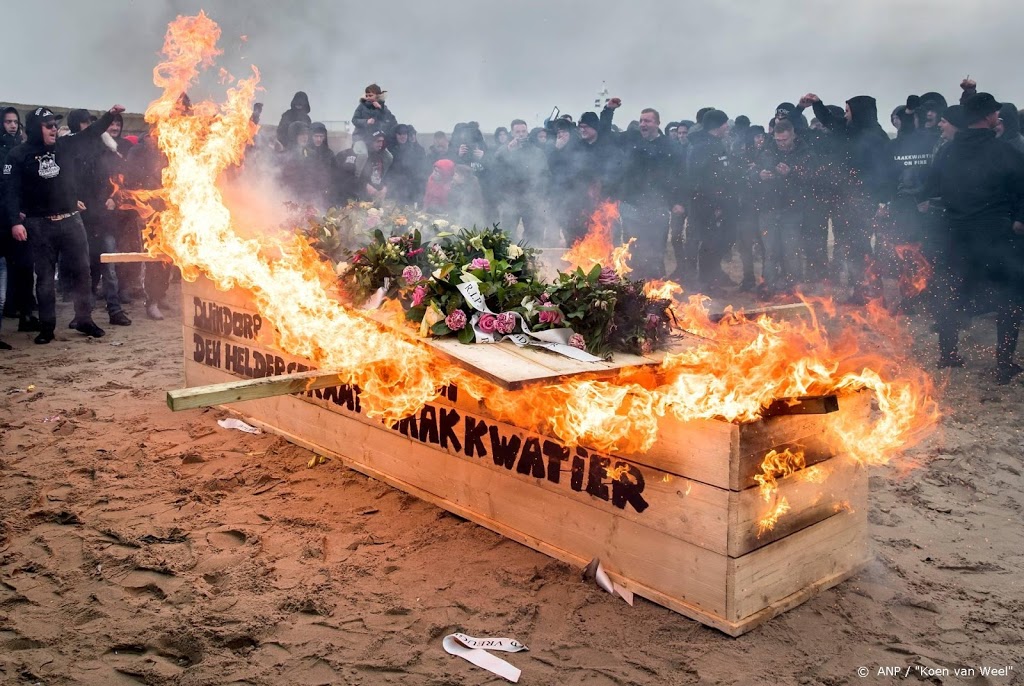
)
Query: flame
[
  {"x": 597, "y": 247},
  {"x": 915, "y": 270},
  {"x": 744, "y": 366},
  {"x": 775, "y": 466},
  {"x": 768, "y": 522}
]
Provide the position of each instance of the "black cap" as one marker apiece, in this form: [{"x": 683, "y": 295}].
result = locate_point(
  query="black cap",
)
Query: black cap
[
  {"x": 377, "y": 134},
  {"x": 742, "y": 121},
  {"x": 402, "y": 128},
  {"x": 590, "y": 119},
  {"x": 713, "y": 119},
  {"x": 44, "y": 114},
  {"x": 979, "y": 106},
  {"x": 954, "y": 114},
  {"x": 564, "y": 125},
  {"x": 785, "y": 110}
]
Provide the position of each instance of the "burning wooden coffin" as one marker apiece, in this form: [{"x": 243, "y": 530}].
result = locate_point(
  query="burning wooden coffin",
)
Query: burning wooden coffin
[{"x": 686, "y": 524}]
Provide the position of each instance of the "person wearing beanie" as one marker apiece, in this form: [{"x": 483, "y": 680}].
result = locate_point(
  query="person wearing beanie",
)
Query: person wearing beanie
[
  {"x": 298, "y": 111},
  {"x": 868, "y": 179},
  {"x": 1008, "y": 127},
  {"x": 40, "y": 187},
  {"x": 520, "y": 178},
  {"x": 980, "y": 182}
]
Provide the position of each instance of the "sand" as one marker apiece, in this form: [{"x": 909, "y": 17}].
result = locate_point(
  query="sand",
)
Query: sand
[{"x": 141, "y": 546}]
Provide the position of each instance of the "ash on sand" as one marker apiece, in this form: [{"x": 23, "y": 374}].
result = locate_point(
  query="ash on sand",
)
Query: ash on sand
[{"x": 141, "y": 546}]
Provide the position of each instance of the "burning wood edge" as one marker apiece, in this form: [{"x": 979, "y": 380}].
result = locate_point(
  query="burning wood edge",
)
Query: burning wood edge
[
  {"x": 792, "y": 309},
  {"x": 125, "y": 257},
  {"x": 250, "y": 389},
  {"x": 817, "y": 404}
]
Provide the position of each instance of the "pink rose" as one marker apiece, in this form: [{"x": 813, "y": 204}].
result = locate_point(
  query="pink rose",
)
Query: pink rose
[
  {"x": 577, "y": 341},
  {"x": 488, "y": 323},
  {"x": 412, "y": 274},
  {"x": 608, "y": 277},
  {"x": 394, "y": 239},
  {"x": 372, "y": 221},
  {"x": 419, "y": 294},
  {"x": 414, "y": 253},
  {"x": 550, "y": 317},
  {"x": 505, "y": 323},
  {"x": 545, "y": 298},
  {"x": 456, "y": 321},
  {"x": 480, "y": 263}
]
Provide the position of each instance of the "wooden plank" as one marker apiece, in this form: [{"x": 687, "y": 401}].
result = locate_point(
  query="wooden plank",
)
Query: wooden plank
[
  {"x": 773, "y": 311},
  {"x": 813, "y": 495},
  {"x": 249, "y": 389},
  {"x": 127, "y": 257},
  {"x": 819, "y": 404},
  {"x": 632, "y": 551},
  {"x": 810, "y": 434},
  {"x": 775, "y": 572}
]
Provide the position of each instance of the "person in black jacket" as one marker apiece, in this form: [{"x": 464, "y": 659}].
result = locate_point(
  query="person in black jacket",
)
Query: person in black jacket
[
  {"x": 297, "y": 111},
  {"x": 786, "y": 172},
  {"x": 43, "y": 208},
  {"x": 865, "y": 179},
  {"x": 712, "y": 179},
  {"x": 18, "y": 298},
  {"x": 980, "y": 181},
  {"x": 321, "y": 166},
  {"x": 371, "y": 114},
  {"x": 1008, "y": 128},
  {"x": 650, "y": 190},
  {"x": 405, "y": 180}
]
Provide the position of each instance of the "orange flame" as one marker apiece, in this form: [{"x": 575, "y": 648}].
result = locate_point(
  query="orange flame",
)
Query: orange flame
[
  {"x": 745, "y": 366},
  {"x": 915, "y": 270},
  {"x": 597, "y": 247}
]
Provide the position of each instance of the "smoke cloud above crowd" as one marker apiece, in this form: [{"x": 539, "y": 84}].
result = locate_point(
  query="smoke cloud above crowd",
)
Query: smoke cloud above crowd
[{"x": 488, "y": 61}]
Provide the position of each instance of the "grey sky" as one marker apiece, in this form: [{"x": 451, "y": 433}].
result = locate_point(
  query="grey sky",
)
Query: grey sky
[{"x": 445, "y": 61}]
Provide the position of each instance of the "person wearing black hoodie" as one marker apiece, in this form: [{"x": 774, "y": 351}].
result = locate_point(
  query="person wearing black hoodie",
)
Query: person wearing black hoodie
[
  {"x": 43, "y": 208},
  {"x": 980, "y": 181},
  {"x": 1008, "y": 129},
  {"x": 321, "y": 166},
  {"x": 298, "y": 111},
  {"x": 866, "y": 178},
  {"x": 18, "y": 299}
]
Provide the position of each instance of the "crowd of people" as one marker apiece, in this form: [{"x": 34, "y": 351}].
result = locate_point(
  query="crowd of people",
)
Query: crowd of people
[{"x": 950, "y": 183}]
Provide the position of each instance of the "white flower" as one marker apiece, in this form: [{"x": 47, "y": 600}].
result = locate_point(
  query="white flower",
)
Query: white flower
[
  {"x": 373, "y": 212},
  {"x": 477, "y": 242},
  {"x": 441, "y": 223},
  {"x": 341, "y": 268},
  {"x": 327, "y": 232},
  {"x": 469, "y": 277},
  {"x": 515, "y": 251},
  {"x": 436, "y": 274}
]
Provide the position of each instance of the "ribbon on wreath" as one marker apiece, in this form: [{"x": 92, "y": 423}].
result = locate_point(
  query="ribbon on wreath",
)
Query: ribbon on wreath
[{"x": 555, "y": 340}]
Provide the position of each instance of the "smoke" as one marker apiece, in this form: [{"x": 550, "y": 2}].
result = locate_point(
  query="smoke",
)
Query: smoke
[{"x": 490, "y": 62}]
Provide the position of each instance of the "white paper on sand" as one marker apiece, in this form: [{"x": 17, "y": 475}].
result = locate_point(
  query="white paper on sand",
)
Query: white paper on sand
[
  {"x": 475, "y": 650},
  {"x": 595, "y": 571},
  {"x": 232, "y": 423}
]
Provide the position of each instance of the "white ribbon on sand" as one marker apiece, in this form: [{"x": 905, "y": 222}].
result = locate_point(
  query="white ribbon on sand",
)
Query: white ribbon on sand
[
  {"x": 595, "y": 571},
  {"x": 555, "y": 340},
  {"x": 475, "y": 650}
]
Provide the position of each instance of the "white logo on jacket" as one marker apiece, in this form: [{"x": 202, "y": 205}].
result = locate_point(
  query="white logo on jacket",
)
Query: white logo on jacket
[
  {"x": 48, "y": 168},
  {"x": 7, "y": 170}
]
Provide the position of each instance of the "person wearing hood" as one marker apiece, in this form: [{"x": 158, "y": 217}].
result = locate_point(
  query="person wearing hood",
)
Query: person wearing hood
[
  {"x": 439, "y": 184},
  {"x": 18, "y": 298},
  {"x": 911, "y": 154},
  {"x": 980, "y": 181},
  {"x": 297, "y": 162},
  {"x": 374, "y": 170},
  {"x": 866, "y": 180},
  {"x": 43, "y": 208},
  {"x": 106, "y": 227},
  {"x": 298, "y": 111},
  {"x": 500, "y": 136},
  {"x": 406, "y": 175},
  {"x": 1008, "y": 128},
  {"x": 321, "y": 166}
]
